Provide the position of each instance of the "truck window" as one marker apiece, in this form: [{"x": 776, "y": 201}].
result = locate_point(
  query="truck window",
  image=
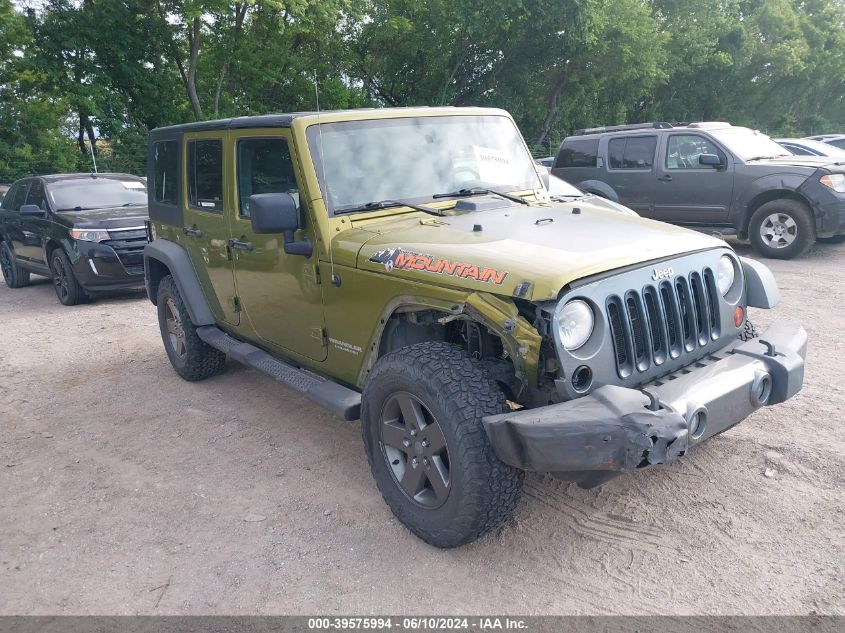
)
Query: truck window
[
  {"x": 683, "y": 150},
  {"x": 264, "y": 166},
  {"x": 36, "y": 195},
  {"x": 16, "y": 196},
  {"x": 578, "y": 153},
  {"x": 632, "y": 152},
  {"x": 205, "y": 174},
  {"x": 165, "y": 162}
]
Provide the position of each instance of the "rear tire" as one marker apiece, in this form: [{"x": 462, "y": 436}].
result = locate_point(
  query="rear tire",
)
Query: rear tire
[
  {"x": 67, "y": 288},
  {"x": 13, "y": 275},
  {"x": 191, "y": 357},
  {"x": 782, "y": 229},
  {"x": 427, "y": 448}
]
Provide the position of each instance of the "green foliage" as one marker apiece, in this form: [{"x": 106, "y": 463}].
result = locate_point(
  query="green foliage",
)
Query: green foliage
[{"x": 83, "y": 75}]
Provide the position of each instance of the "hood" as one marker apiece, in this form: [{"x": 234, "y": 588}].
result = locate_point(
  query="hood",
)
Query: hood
[
  {"x": 107, "y": 218},
  {"x": 531, "y": 252}
]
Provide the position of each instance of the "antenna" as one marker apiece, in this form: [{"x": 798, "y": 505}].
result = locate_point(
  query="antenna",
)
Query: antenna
[
  {"x": 335, "y": 278},
  {"x": 93, "y": 158}
]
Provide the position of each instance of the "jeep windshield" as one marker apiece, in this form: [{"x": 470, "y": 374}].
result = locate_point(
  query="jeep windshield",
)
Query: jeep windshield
[
  {"x": 82, "y": 194},
  {"x": 749, "y": 144},
  {"x": 418, "y": 159}
]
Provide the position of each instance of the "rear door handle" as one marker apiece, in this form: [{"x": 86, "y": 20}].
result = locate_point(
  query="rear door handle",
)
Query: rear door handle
[
  {"x": 665, "y": 178},
  {"x": 192, "y": 232},
  {"x": 241, "y": 246}
]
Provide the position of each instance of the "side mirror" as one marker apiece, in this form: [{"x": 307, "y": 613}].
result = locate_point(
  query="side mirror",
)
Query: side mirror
[
  {"x": 710, "y": 160},
  {"x": 278, "y": 213},
  {"x": 32, "y": 211}
]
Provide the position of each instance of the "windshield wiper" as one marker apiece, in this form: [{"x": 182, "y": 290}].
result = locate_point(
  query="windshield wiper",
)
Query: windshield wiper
[
  {"x": 387, "y": 204},
  {"x": 766, "y": 157},
  {"x": 479, "y": 191},
  {"x": 133, "y": 204},
  {"x": 78, "y": 209}
]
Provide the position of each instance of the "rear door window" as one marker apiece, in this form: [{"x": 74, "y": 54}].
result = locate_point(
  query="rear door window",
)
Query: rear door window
[
  {"x": 578, "y": 153},
  {"x": 205, "y": 174},
  {"x": 632, "y": 152},
  {"x": 16, "y": 197}
]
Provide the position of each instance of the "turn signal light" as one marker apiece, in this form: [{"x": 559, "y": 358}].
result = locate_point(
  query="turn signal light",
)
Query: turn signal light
[{"x": 739, "y": 316}]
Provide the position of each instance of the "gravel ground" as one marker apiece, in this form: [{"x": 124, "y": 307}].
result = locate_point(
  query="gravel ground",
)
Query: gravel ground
[{"x": 124, "y": 490}]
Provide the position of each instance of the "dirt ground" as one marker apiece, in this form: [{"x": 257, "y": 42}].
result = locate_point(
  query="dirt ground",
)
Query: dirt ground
[{"x": 124, "y": 490}]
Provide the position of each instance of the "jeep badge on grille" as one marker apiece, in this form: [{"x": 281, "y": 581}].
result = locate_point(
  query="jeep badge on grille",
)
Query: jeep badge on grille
[{"x": 666, "y": 273}]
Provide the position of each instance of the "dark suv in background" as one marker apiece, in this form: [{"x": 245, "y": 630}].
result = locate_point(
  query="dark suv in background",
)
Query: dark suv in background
[
  {"x": 714, "y": 177},
  {"x": 85, "y": 231}
]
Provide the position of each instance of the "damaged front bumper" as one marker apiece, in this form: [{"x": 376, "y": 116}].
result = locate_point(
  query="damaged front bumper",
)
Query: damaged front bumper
[{"x": 615, "y": 429}]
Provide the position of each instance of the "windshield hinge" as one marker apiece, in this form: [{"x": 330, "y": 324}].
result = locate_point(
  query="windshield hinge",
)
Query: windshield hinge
[{"x": 236, "y": 302}]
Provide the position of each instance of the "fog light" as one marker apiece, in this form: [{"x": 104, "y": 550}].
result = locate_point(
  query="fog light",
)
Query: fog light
[
  {"x": 582, "y": 379},
  {"x": 739, "y": 316}
]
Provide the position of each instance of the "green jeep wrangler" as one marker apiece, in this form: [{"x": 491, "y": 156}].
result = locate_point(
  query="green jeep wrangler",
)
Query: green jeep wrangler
[{"x": 407, "y": 267}]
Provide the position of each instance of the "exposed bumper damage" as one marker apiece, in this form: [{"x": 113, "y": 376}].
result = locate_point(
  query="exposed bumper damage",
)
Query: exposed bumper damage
[{"x": 615, "y": 429}]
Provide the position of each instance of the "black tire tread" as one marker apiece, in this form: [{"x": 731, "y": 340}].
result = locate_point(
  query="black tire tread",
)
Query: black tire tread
[
  {"x": 803, "y": 217},
  {"x": 76, "y": 294},
  {"x": 20, "y": 277},
  {"x": 202, "y": 360},
  {"x": 749, "y": 332},
  {"x": 494, "y": 488}
]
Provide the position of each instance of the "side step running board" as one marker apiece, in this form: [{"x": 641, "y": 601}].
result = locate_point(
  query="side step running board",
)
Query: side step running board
[{"x": 342, "y": 400}]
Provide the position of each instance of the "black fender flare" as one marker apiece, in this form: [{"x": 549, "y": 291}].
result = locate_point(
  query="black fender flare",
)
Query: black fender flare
[
  {"x": 176, "y": 259},
  {"x": 598, "y": 188}
]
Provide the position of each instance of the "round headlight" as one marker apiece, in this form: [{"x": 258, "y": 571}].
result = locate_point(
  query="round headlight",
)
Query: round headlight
[
  {"x": 725, "y": 274},
  {"x": 576, "y": 323}
]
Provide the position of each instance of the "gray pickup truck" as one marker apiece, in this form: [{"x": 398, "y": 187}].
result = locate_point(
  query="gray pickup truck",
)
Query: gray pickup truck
[{"x": 714, "y": 177}]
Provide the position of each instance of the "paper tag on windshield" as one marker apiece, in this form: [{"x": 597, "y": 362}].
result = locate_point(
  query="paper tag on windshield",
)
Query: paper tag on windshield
[
  {"x": 133, "y": 184},
  {"x": 494, "y": 166}
]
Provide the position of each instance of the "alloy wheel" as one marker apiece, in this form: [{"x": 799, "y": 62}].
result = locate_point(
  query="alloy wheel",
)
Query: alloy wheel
[
  {"x": 60, "y": 278},
  {"x": 175, "y": 330},
  {"x": 415, "y": 449},
  {"x": 778, "y": 230}
]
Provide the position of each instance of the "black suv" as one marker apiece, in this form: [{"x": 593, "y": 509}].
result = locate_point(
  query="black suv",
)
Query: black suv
[
  {"x": 85, "y": 231},
  {"x": 715, "y": 177}
]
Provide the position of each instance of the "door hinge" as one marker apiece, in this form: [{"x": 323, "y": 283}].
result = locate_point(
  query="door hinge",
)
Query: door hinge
[
  {"x": 236, "y": 302},
  {"x": 320, "y": 334}
]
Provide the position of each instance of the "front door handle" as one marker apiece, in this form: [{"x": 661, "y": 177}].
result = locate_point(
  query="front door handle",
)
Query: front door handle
[
  {"x": 192, "y": 232},
  {"x": 666, "y": 178},
  {"x": 241, "y": 246}
]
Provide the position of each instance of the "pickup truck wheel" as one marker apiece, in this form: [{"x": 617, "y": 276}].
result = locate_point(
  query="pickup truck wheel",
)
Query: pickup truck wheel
[
  {"x": 13, "y": 275},
  {"x": 191, "y": 357},
  {"x": 68, "y": 290},
  {"x": 782, "y": 229},
  {"x": 427, "y": 448}
]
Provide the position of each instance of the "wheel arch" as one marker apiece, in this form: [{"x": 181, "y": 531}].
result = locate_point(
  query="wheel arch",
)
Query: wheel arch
[
  {"x": 770, "y": 195},
  {"x": 161, "y": 258},
  {"x": 410, "y": 320},
  {"x": 599, "y": 188}
]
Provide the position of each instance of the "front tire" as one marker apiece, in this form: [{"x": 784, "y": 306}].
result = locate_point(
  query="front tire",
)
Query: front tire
[
  {"x": 427, "y": 448},
  {"x": 782, "y": 229},
  {"x": 67, "y": 287},
  {"x": 13, "y": 275},
  {"x": 191, "y": 357}
]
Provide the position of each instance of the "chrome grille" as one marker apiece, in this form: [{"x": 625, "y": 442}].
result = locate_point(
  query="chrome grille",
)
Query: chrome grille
[{"x": 663, "y": 321}]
